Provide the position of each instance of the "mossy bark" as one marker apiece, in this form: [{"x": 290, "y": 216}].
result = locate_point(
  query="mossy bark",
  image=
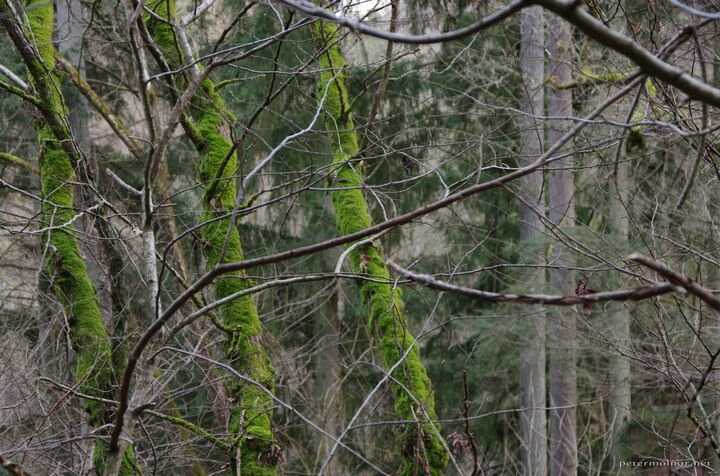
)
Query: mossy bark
[
  {"x": 251, "y": 418},
  {"x": 70, "y": 279},
  {"x": 255, "y": 450},
  {"x": 422, "y": 450}
]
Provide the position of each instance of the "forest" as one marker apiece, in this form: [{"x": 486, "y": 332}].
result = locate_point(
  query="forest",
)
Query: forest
[{"x": 359, "y": 237}]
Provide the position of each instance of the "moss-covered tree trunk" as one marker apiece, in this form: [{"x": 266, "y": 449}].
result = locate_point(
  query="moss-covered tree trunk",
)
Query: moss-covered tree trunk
[
  {"x": 421, "y": 448},
  {"x": 250, "y": 420},
  {"x": 255, "y": 450},
  {"x": 59, "y": 155}
]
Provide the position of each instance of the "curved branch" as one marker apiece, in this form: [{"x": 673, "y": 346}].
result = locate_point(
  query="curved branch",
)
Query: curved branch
[
  {"x": 20, "y": 162},
  {"x": 694, "y": 11},
  {"x": 111, "y": 119},
  {"x": 678, "y": 279},
  {"x": 357, "y": 26}
]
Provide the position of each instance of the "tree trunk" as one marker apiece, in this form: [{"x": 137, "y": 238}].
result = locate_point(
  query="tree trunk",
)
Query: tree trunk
[
  {"x": 329, "y": 372},
  {"x": 422, "y": 450},
  {"x": 618, "y": 321},
  {"x": 257, "y": 452},
  {"x": 563, "y": 388},
  {"x": 59, "y": 156},
  {"x": 533, "y": 421}
]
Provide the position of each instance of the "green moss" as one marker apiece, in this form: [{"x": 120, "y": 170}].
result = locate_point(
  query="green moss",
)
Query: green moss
[
  {"x": 251, "y": 414},
  {"x": 183, "y": 423},
  {"x": 128, "y": 467},
  {"x": 161, "y": 32},
  {"x": 386, "y": 319},
  {"x": 71, "y": 283},
  {"x": 20, "y": 162}
]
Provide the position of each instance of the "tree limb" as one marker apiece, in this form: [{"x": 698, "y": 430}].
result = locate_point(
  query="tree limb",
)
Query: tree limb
[
  {"x": 630, "y": 294},
  {"x": 677, "y": 279},
  {"x": 19, "y": 161},
  {"x": 626, "y": 46}
]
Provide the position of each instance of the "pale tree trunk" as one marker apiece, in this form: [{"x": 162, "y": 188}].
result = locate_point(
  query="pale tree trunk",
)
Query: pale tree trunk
[
  {"x": 618, "y": 321},
  {"x": 329, "y": 378},
  {"x": 563, "y": 389},
  {"x": 618, "y": 316},
  {"x": 533, "y": 421}
]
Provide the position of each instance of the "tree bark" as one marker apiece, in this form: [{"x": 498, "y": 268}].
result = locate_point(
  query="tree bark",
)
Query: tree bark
[
  {"x": 329, "y": 377},
  {"x": 421, "y": 448},
  {"x": 533, "y": 420},
  {"x": 618, "y": 322},
  {"x": 563, "y": 386},
  {"x": 256, "y": 450}
]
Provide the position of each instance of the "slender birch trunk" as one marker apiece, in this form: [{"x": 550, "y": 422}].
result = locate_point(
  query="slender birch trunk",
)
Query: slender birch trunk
[
  {"x": 533, "y": 420},
  {"x": 421, "y": 448}
]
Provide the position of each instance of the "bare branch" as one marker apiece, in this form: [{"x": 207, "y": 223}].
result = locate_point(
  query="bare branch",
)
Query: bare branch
[
  {"x": 648, "y": 62},
  {"x": 677, "y": 279},
  {"x": 14, "y": 78},
  {"x": 20, "y": 162},
  {"x": 318, "y": 12},
  {"x": 631, "y": 294}
]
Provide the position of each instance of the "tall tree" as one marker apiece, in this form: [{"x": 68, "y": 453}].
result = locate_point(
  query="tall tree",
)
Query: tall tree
[
  {"x": 563, "y": 386},
  {"x": 420, "y": 444},
  {"x": 618, "y": 318},
  {"x": 59, "y": 157},
  {"x": 533, "y": 420}
]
